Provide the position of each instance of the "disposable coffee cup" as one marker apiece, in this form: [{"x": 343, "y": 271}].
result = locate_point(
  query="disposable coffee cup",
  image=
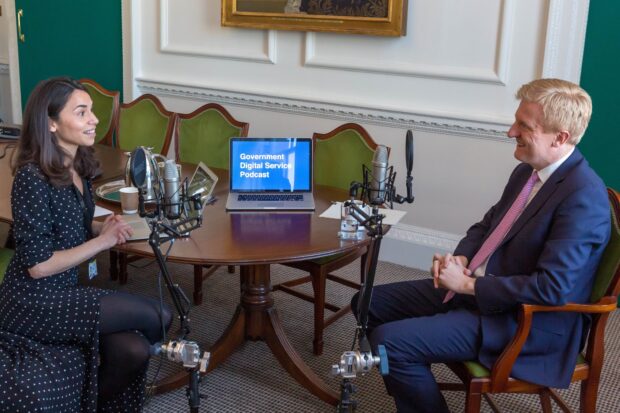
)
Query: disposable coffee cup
[{"x": 129, "y": 200}]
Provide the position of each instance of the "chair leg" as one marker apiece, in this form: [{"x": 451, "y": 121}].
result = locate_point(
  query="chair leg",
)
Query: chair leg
[
  {"x": 545, "y": 401},
  {"x": 113, "y": 265},
  {"x": 122, "y": 268},
  {"x": 559, "y": 401},
  {"x": 472, "y": 402},
  {"x": 318, "y": 285},
  {"x": 197, "y": 284},
  {"x": 491, "y": 403},
  {"x": 589, "y": 392}
]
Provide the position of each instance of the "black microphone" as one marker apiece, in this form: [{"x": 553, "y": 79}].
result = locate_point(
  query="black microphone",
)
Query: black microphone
[
  {"x": 379, "y": 176},
  {"x": 137, "y": 168},
  {"x": 137, "y": 174},
  {"x": 409, "y": 162},
  {"x": 171, "y": 189}
]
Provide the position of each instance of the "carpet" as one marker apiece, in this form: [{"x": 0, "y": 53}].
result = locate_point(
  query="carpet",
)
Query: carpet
[{"x": 251, "y": 380}]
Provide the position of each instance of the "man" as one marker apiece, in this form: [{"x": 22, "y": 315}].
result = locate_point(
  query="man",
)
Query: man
[{"x": 540, "y": 244}]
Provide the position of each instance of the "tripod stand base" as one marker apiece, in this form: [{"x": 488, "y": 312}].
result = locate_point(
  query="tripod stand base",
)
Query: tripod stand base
[{"x": 257, "y": 319}]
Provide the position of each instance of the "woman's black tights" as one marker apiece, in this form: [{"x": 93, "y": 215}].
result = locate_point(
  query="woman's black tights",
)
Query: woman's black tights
[{"x": 128, "y": 326}]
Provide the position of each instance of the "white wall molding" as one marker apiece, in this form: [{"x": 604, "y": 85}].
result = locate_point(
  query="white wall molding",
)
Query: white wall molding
[
  {"x": 442, "y": 125},
  {"x": 493, "y": 75},
  {"x": 423, "y": 236},
  {"x": 268, "y": 55},
  {"x": 414, "y": 246},
  {"x": 565, "y": 39}
]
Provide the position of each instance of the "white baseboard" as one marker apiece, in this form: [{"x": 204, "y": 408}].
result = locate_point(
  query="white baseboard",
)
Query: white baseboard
[{"x": 414, "y": 247}]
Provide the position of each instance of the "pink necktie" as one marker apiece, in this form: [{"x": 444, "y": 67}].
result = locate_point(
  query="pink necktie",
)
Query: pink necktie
[{"x": 498, "y": 234}]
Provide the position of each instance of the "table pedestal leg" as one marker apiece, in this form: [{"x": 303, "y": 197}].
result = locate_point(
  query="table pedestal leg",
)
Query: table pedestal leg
[
  {"x": 256, "y": 319},
  {"x": 264, "y": 324}
]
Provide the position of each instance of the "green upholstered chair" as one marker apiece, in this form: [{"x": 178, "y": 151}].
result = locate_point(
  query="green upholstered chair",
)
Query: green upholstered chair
[
  {"x": 478, "y": 380},
  {"x": 202, "y": 136},
  {"x": 5, "y": 257},
  {"x": 105, "y": 107},
  {"x": 145, "y": 122},
  {"x": 338, "y": 159},
  {"x": 142, "y": 122}
]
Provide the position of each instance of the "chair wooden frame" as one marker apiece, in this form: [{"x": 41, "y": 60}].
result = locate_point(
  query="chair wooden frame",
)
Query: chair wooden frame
[
  {"x": 320, "y": 272},
  {"x": 201, "y": 273},
  {"x": 587, "y": 370},
  {"x": 108, "y": 138},
  {"x": 172, "y": 116}
]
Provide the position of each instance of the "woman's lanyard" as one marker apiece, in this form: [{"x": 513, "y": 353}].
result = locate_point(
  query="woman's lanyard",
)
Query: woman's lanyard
[
  {"x": 88, "y": 224},
  {"x": 86, "y": 204}
]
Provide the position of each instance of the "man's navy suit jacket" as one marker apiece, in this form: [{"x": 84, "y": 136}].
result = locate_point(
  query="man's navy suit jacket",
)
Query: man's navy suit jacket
[{"x": 549, "y": 257}]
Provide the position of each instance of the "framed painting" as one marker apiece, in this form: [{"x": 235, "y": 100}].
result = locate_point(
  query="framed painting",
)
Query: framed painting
[{"x": 371, "y": 17}]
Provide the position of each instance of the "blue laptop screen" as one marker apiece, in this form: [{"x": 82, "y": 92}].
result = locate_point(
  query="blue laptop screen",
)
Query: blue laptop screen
[{"x": 270, "y": 165}]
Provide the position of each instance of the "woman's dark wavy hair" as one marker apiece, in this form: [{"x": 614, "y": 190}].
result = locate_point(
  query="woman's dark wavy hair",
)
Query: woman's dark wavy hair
[{"x": 40, "y": 146}]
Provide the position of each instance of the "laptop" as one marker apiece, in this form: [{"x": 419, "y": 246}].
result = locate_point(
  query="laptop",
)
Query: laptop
[
  {"x": 8, "y": 131},
  {"x": 270, "y": 174}
]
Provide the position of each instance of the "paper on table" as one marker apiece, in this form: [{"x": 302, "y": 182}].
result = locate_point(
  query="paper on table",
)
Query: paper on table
[
  {"x": 139, "y": 225},
  {"x": 100, "y": 211},
  {"x": 392, "y": 216}
]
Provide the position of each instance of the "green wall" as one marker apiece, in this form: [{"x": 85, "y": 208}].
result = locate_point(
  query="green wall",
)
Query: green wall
[{"x": 599, "y": 76}]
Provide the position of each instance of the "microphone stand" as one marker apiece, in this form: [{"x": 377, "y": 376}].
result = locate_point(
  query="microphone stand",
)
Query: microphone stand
[
  {"x": 362, "y": 360},
  {"x": 180, "y": 350},
  {"x": 384, "y": 192}
]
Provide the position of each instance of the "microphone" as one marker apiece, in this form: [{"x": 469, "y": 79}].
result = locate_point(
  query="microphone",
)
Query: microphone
[
  {"x": 409, "y": 162},
  {"x": 137, "y": 175},
  {"x": 379, "y": 176},
  {"x": 171, "y": 190},
  {"x": 137, "y": 168}
]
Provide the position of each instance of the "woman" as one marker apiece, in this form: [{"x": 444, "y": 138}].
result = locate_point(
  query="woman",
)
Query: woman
[{"x": 64, "y": 347}]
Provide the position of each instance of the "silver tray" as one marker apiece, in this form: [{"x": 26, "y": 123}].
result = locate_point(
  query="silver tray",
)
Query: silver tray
[{"x": 109, "y": 191}]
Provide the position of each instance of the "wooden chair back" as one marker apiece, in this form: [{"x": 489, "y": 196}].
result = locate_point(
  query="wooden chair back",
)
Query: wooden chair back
[
  {"x": 145, "y": 122},
  {"x": 339, "y": 155},
  {"x": 106, "y": 108},
  {"x": 203, "y": 135}
]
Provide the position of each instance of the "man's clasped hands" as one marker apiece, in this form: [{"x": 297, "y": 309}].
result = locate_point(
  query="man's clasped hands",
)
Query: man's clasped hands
[{"x": 451, "y": 272}]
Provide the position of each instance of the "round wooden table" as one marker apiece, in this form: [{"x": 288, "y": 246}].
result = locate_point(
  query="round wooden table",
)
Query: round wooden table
[{"x": 254, "y": 241}]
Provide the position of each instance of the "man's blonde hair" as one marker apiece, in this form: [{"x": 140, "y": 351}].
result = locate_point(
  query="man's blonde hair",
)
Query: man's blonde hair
[{"x": 565, "y": 105}]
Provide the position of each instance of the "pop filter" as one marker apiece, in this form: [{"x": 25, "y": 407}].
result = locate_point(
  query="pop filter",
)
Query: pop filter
[
  {"x": 409, "y": 162},
  {"x": 409, "y": 151},
  {"x": 137, "y": 168}
]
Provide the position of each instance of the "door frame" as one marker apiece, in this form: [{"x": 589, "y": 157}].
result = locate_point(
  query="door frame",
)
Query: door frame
[{"x": 15, "y": 92}]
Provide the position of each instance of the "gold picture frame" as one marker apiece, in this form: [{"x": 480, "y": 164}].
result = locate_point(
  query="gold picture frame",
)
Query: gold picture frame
[{"x": 370, "y": 17}]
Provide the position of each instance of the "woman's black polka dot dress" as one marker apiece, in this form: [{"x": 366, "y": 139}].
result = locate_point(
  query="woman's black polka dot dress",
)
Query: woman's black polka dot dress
[{"x": 49, "y": 327}]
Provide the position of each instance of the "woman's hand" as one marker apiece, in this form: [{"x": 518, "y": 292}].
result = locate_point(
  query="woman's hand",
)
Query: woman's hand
[{"x": 115, "y": 231}]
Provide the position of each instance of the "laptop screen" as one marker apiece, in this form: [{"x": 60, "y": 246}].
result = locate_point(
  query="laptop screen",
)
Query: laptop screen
[{"x": 270, "y": 164}]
